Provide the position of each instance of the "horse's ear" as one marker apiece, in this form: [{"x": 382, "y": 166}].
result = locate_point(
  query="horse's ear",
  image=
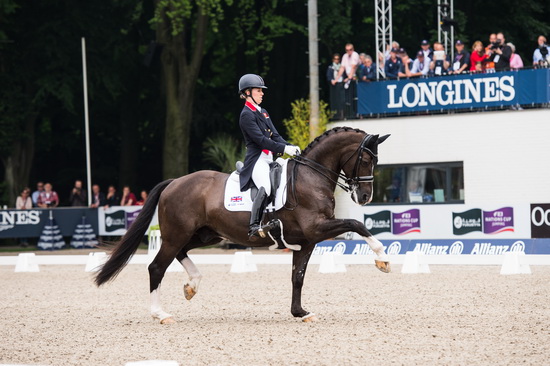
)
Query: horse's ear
[{"x": 382, "y": 139}]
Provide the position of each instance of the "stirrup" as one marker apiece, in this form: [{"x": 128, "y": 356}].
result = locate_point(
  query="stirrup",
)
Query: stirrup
[{"x": 255, "y": 232}]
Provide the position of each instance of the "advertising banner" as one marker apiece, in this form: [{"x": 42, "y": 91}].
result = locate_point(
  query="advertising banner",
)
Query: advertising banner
[
  {"x": 455, "y": 92},
  {"x": 540, "y": 220},
  {"x": 114, "y": 221}
]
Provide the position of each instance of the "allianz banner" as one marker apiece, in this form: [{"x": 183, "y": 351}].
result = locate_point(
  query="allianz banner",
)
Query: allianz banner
[{"x": 455, "y": 92}]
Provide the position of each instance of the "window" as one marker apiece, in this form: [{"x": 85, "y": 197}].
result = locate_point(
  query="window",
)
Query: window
[{"x": 419, "y": 183}]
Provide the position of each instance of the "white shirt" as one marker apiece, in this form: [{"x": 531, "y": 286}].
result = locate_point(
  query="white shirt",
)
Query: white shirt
[
  {"x": 421, "y": 67},
  {"x": 537, "y": 56},
  {"x": 349, "y": 61}
]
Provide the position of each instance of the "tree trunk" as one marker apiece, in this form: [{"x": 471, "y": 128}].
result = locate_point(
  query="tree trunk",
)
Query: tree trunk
[{"x": 181, "y": 68}]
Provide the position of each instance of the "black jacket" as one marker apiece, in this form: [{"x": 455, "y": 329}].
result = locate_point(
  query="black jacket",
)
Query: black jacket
[{"x": 259, "y": 134}]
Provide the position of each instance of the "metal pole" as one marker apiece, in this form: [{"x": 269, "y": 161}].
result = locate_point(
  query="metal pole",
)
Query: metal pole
[
  {"x": 86, "y": 123},
  {"x": 313, "y": 69}
]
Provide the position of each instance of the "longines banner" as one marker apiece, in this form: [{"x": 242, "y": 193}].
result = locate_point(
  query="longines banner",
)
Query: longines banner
[{"x": 455, "y": 92}]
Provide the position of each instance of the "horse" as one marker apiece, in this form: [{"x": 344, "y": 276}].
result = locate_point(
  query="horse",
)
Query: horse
[{"x": 192, "y": 214}]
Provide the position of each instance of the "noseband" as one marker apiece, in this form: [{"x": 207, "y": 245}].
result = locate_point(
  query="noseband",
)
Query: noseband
[{"x": 350, "y": 184}]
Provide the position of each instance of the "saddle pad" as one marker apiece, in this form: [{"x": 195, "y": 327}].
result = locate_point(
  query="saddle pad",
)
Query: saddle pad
[{"x": 235, "y": 200}]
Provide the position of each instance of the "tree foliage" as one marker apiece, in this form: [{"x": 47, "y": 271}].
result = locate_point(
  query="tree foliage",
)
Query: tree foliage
[{"x": 297, "y": 126}]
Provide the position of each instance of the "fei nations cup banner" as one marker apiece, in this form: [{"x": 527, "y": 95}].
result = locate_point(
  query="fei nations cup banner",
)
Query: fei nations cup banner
[{"x": 455, "y": 92}]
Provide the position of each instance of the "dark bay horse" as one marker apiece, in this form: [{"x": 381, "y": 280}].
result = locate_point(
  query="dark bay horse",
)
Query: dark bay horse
[{"x": 192, "y": 214}]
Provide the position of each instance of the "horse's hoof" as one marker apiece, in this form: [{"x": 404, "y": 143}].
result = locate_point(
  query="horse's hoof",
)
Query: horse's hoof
[
  {"x": 383, "y": 266},
  {"x": 188, "y": 291},
  {"x": 168, "y": 320},
  {"x": 309, "y": 318}
]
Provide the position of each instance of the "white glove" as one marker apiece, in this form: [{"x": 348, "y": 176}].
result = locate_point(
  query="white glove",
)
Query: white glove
[{"x": 292, "y": 150}]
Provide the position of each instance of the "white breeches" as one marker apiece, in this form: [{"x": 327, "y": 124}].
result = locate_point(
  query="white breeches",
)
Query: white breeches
[{"x": 260, "y": 173}]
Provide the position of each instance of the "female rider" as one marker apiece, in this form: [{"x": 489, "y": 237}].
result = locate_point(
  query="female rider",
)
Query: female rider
[{"x": 262, "y": 142}]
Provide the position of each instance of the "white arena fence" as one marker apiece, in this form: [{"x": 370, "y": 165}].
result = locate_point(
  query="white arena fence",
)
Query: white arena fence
[{"x": 245, "y": 261}]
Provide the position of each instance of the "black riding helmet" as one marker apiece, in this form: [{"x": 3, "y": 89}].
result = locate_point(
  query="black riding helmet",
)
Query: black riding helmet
[{"x": 249, "y": 81}]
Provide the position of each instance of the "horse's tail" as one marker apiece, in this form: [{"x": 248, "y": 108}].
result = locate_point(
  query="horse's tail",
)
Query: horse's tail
[{"x": 129, "y": 243}]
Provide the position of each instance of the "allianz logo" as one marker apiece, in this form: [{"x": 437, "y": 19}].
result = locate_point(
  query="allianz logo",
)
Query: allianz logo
[
  {"x": 455, "y": 248},
  {"x": 491, "y": 249}
]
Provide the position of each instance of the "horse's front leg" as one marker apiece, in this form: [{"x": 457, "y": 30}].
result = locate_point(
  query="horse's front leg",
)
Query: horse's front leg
[
  {"x": 300, "y": 260},
  {"x": 332, "y": 228}
]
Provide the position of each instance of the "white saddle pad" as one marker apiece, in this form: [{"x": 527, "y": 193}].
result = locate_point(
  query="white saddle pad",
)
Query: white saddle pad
[{"x": 235, "y": 200}]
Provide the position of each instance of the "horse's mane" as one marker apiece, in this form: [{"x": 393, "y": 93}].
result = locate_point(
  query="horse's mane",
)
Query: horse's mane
[{"x": 327, "y": 133}]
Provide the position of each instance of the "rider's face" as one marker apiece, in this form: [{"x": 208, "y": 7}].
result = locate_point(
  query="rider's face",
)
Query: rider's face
[{"x": 258, "y": 95}]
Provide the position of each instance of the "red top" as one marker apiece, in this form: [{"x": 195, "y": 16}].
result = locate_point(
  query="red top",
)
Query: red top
[
  {"x": 475, "y": 58},
  {"x": 129, "y": 197}
]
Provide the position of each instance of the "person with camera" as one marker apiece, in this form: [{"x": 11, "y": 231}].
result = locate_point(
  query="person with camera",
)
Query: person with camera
[
  {"x": 77, "y": 197},
  {"x": 48, "y": 197},
  {"x": 541, "y": 56},
  {"x": 440, "y": 63},
  {"x": 500, "y": 53}
]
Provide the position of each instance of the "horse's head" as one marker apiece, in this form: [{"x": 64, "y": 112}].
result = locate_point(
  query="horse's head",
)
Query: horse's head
[{"x": 359, "y": 168}]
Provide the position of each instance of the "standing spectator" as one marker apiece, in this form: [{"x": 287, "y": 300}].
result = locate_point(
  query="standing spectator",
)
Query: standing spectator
[
  {"x": 440, "y": 63},
  {"x": 77, "y": 197},
  {"x": 500, "y": 53},
  {"x": 461, "y": 61},
  {"x": 421, "y": 66},
  {"x": 128, "y": 198},
  {"x": 515, "y": 60},
  {"x": 393, "y": 64},
  {"x": 541, "y": 55},
  {"x": 24, "y": 201},
  {"x": 48, "y": 197},
  {"x": 406, "y": 64},
  {"x": 35, "y": 194},
  {"x": 112, "y": 198},
  {"x": 336, "y": 87},
  {"x": 142, "y": 198},
  {"x": 489, "y": 64},
  {"x": 368, "y": 71},
  {"x": 478, "y": 57},
  {"x": 350, "y": 63},
  {"x": 98, "y": 197},
  {"x": 394, "y": 45},
  {"x": 426, "y": 50}
]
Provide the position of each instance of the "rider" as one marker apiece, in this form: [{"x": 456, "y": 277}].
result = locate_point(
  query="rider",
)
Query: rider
[{"x": 262, "y": 142}]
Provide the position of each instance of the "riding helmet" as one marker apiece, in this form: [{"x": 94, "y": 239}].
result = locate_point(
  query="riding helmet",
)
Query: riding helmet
[{"x": 251, "y": 81}]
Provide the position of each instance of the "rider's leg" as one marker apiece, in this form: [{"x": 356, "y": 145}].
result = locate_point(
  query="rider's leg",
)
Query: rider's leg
[{"x": 260, "y": 176}]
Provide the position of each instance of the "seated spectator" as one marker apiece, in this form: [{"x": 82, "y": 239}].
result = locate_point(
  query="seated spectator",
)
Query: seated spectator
[
  {"x": 478, "y": 57},
  {"x": 515, "y": 60},
  {"x": 112, "y": 198},
  {"x": 98, "y": 197},
  {"x": 48, "y": 197},
  {"x": 24, "y": 201},
  {"x": 421, "y": 66},
  {"x": 128, "y": 198},
  {"x": 77, "y": 197},
  {"x": 337, "y": 97},
  {"x": 368, "y": 71},
  {"x": 426, "y": 50},
  {"x": 500, "y": 53},
  {"x": 406, "y": 64},
  {"x": 393, "y": 64},
  {"x": 35, "y": 194},
  {"x": 461, "y": 61},
  {"x": 489, "y": 65},
  {"x": 440, "y": 63},
  {"x": 142, "y": 198},
  {"x": 541, "y": 56}
]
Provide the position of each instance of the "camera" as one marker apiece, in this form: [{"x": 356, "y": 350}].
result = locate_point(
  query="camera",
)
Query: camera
[
  {"x": 543, "y": 50},
  {"x": 495, "y": 44}
]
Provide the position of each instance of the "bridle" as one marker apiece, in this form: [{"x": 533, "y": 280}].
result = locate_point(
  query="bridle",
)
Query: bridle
[{"x": 350, "y": 184}]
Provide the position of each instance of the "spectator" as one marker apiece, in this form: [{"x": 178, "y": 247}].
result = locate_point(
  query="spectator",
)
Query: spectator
[
  {"x": 48, "y": 197},
  {"x": 406, "y": 64},
  {"x": 394, "y": 45},
  {"x": 541, "y": 55},
  {"x": 421, "y": 66},
  {"x": 515, "y": 60},
  {"x": 440, "y": 63},
  {"x": 112, "y": 198},
  {"x": 98, "y": 197},
  {"x": 489, "y": 64},
  {"x": 24, "y": 201},
  {"x": 142, "y": 198},
  {"x": 350, "y": 63},
  {"x": 336, "y": 87},
  {"x": 35, "y": 194},
  {"x": 461, "y": 61},
  {"x": 128, "y": 198},
  {"x": 77, "y": 197},
  {"x": 426, "y": 50},
  {"x": 393, "y": 64},
  {"x": 368, "y": 71},
  {"x": 478, "y": 57},
  {"x": 500, "y": 53}
]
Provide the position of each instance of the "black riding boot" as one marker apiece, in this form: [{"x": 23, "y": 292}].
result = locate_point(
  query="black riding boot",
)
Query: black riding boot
[{"x": 258, "y": 206}]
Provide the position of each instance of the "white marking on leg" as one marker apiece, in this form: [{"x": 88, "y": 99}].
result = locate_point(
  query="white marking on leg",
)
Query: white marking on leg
[
  {"x": 377, "y": 247},
  {"x": 156, "y": 308},
  {"x": 193, "y": 272}
]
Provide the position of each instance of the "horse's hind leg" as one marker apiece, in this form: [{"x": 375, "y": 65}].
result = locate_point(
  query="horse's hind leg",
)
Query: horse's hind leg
[{"x": 192, "y": 285}]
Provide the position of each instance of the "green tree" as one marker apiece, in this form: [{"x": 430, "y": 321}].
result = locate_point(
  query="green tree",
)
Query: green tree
[{"x": 297, "y": 126}]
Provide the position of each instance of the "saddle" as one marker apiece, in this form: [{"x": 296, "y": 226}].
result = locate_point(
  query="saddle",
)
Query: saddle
[{"x": 275, "y": 173}]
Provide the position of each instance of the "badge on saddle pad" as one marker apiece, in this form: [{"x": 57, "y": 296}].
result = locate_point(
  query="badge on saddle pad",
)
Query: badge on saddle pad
[{"x": 235, "y": 200}]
